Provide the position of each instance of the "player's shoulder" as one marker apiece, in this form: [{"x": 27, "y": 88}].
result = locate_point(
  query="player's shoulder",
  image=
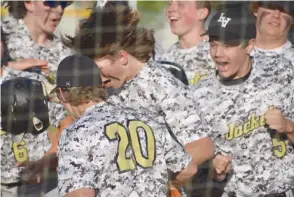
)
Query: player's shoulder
[
  {"x": 161, "y": 75},
  {"x": 272, "y": 64},
  {"x": 205, "y": 87},
  {"x": 10, "y": 25}
]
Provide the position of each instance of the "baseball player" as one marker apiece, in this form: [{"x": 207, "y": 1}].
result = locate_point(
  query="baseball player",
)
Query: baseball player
[
  {"x": 26, "y": 156},
  {"x": 123, "y": 53},
  {"x": 186, "y": 19},
  {"x": 109, "y": 150},
  {"x": 249, "y": 102},
  {"x": 274, "y": 19},
  {"x": 24, "y": 135}
]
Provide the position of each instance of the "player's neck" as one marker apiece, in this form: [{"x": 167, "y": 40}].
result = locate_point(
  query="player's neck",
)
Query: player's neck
[
  {"x": 135, "y": 66},
  {"x": 192, "y": 38},
  {"x": 269, "y": 42},
  {"x": 38, "y": 35},
  {"x": 245, "y": 69},
  {"x": 80, "y": 109}
]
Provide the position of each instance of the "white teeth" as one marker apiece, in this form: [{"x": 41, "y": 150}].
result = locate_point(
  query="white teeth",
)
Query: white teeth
[{"x": 173, "y": 18}]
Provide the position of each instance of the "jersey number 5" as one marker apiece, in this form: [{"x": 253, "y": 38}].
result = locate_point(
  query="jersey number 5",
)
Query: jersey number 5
[
  {"x": 129, "y": 138},
  {"x": 279, "y": 146}
]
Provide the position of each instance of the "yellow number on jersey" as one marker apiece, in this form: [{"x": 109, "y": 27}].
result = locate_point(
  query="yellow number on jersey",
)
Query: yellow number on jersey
[
  {"x": 279, "y": 146},
  {"x": 20, "y": 152},
  {"x": 115, "y": 131}
]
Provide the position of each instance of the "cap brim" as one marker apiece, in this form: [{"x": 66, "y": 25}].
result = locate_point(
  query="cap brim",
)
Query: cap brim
[
  {"x": 17, "y": 138},
  {"x": 204, "y": 34}
]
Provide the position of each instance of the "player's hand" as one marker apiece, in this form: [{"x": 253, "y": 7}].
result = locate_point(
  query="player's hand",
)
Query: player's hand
[
  {"x": 222, "y": 166},
  {"x": 31, "y": 171},
  {"x": 276, "y": 120},
  {"x": 29, "y": 63}
]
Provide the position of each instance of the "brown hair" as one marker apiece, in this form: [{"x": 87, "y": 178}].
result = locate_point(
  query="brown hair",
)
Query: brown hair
[
  {"x": 16, "y": 8},
  {"x": 111, "y": 29},
  {"x": 79, "y": 95},
  {"x": 204, "y": 4},
  {"x": 253, "y": 7}
]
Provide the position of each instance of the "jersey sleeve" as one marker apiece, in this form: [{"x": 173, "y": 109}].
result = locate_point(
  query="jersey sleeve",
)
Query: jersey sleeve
[
  {"x": 175, "y": 156},
  {"x": 79, "y": 159},
  {"x": 180, "y": 112},
  {"x": 56, "y": 113}
]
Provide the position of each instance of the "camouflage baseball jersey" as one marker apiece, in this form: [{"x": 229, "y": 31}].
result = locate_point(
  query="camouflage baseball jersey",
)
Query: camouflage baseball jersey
[
  {"x": 117, "y": 152},
  {"x": 155, "y": 90},
  {"x": 263, "y": 160},
  {"x": 196, "y": 61},
  {"x": 20, "y": 45},
  {"x": 31, "y": 147},
  {"x": 286, "y": 51}
]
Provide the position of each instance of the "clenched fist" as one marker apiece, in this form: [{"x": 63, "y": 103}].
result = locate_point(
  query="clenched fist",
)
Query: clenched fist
[
  {"x": 276, "y": 120},
  {"x": 222, "y": 166}
]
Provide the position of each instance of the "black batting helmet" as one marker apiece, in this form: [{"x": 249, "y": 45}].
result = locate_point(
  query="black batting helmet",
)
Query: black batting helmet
[
  {"x": 176, "y": 70},
  {"x": 24, "y": 107}
]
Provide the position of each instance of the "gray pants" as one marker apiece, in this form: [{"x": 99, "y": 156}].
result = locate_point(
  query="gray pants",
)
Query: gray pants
[{"x": 45, "y": 189}]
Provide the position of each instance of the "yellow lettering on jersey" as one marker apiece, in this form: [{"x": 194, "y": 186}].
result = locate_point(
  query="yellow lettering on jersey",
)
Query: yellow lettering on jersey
[
  {"x": 115, "y": 131},
  {"x": 20, "y": 151},
  {"x": 254, "y": 122},
  {"x": 141, "y": 160},
  {"x": 279, "y": 146},
  {"x": 196, "y": 79}
]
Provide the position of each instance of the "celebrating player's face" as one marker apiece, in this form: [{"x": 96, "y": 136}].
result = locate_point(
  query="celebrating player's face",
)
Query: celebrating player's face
[
  {"x": 229, "y": 60},
  {"x": 46, "y": 18},
  {"x": 182, "y": 16},
  {"x": 272, "y": 22},
  {"x": 112, "y": 72}
]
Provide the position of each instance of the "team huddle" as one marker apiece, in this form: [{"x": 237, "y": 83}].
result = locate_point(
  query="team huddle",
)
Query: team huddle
[{"x": 105, "y": 113}]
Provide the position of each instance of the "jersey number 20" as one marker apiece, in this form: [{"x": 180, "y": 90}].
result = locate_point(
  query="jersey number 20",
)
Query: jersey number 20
[{"x": 129, "y": 137}]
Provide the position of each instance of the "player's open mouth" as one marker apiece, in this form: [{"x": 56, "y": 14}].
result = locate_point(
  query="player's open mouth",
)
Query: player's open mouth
[
  {"x": 275, "y": 24},
  {"x": 106, "y": 82},
  {"x": 222, "y": 66},
  {"x": 173, "y": 19}
]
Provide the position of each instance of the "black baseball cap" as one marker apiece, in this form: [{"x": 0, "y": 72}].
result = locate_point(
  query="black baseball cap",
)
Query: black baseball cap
[
  {"x": 283, "y": 6},
  {"x": 77, "y": 71},
  {"x": 232, "y": 26}
]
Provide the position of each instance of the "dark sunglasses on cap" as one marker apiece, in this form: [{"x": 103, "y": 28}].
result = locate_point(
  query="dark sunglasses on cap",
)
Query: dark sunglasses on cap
[{"x": 54, "y": 4}]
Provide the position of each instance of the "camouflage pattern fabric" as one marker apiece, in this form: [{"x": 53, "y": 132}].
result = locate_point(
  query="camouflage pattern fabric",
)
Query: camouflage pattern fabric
[
  {"x": 157, "y": 92},
  {"x": 31, "y": 147},
  {"x": 286, "y": 51},
  {"x": 117, "y": 152},
  {"x": 20, "y": 46},
  {"x": 263, "y": 160},
  {"x": 196, "y": 61}
]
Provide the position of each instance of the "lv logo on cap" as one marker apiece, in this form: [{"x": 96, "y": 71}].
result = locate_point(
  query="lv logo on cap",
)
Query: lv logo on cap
[
  {"x": 223, "y": 20},
  {"x": 67, "y": 84}
]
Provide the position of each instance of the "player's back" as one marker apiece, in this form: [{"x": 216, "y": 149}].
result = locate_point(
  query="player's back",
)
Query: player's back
[{"x": 117, "y": 152}]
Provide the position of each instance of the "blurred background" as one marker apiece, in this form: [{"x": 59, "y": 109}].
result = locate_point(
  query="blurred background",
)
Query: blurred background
[{"x": 152, "y": 16}]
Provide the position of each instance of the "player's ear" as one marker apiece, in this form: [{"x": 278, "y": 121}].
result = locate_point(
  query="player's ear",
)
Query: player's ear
[
  {"x": 29, "y": 5},
  {"x": 202, "y": 13},
  {"x": 123, "y": 57},
  {"x": 250, "y": 46}
]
